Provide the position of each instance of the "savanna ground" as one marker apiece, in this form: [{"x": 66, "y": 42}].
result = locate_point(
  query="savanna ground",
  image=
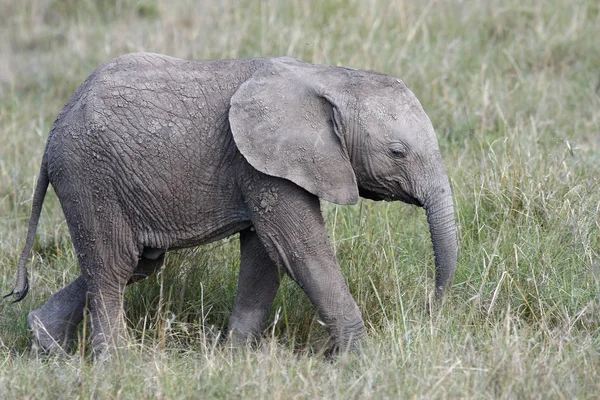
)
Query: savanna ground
[{"x": 513, "y": 90}]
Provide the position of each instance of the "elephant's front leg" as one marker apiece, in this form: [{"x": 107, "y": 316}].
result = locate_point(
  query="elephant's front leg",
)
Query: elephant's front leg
[
  {"x": 53, "y": 325},
  {"x": 257, "y": 286},
  {"x": 288, "y": 221}
]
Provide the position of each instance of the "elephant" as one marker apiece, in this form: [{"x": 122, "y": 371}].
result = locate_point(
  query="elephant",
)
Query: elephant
[{"x": 153, "y": 153}]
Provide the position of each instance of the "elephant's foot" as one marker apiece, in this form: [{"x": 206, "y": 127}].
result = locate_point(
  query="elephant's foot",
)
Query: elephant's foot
[
  {"x": 54, "y": 324},
  {"x": 346, "y": 343},
  {"x": 51, "y": 335},
  {"x": 108, "y": 347},
  {"x": 238, "y": 340}
]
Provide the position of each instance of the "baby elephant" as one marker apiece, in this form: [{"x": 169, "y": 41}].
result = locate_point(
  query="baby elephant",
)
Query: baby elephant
[{"x": 154, "y": 153}]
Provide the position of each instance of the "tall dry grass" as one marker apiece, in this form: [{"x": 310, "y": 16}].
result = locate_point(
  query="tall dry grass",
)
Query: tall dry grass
[{"x": 512, "y": 88}]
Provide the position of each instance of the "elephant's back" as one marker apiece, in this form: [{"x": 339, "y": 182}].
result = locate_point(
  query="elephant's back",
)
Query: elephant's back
[
  {"x": 152, "y": 109},
  {"x": 146, "y": 93}
]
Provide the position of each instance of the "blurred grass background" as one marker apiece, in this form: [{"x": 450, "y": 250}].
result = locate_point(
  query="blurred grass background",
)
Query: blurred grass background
[{"x": 513, "y": 90}]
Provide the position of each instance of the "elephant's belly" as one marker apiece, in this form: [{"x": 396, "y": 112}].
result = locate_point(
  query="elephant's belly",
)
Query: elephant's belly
[{"x": 193, "y": 235}]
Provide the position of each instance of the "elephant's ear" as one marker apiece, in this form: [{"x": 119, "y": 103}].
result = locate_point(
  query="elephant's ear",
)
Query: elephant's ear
[{"x": 285, "y": 125}]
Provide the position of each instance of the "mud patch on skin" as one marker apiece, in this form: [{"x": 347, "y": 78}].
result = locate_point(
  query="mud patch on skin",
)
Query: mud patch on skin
[{"x": 267, "y": 200}]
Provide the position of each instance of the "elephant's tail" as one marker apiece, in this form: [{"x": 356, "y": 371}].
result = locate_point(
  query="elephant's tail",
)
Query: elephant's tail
[{"x": 22, "y": 286}]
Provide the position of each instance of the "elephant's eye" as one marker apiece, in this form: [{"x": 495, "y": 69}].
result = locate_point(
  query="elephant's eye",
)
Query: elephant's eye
[{"x": 398, "y": 150}]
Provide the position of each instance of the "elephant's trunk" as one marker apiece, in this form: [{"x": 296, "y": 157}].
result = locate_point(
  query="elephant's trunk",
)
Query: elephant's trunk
[{"x": 440, "y": 216}]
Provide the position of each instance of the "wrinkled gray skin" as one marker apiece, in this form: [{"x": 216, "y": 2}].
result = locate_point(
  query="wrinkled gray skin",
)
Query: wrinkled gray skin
[{"x": 154, "y": 153}]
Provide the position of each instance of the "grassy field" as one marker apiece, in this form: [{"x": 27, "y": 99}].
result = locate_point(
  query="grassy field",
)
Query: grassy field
[{"x": 513, "y": 90}]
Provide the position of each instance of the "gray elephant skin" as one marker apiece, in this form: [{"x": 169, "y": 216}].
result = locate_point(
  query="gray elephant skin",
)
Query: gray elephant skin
[{"x": 153, "y": 153}]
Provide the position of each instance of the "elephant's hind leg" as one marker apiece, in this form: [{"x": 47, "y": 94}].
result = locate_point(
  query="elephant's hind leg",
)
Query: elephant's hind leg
[
  {"x": 108, "y": 255},
  {"x": 107, "y": 275},
  {"x": 54, "y": 324},
  {"x": 257, "y": 286}
]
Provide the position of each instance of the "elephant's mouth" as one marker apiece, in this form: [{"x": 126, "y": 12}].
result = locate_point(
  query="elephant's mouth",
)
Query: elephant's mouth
[{"x": 401, "y": 196}]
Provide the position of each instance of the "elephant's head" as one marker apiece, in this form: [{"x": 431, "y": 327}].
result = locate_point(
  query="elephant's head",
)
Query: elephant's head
[{"x": 340, "y": 133}]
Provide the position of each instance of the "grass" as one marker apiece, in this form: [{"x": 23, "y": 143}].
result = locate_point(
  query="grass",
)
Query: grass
[{"x": 513, "y": 89}]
